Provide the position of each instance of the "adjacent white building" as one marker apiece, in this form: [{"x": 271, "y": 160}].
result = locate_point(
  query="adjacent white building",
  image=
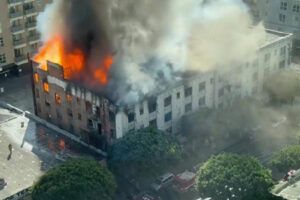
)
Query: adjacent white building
[
  {"x": 281, "y": 15},
  {"x": 212, "y": 89}
]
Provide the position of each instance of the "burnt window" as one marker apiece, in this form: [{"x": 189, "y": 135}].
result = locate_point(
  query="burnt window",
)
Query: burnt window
[
  {"x": 221, "y": 92},
  {"x": 168, "y": 101},
  {"x": 168, "y": 116},
  {"x": 188, "y": 107},
  {"x": 152, "y": 105},
  {"x": 178, "y": 95},
  {"x": 79, "y": 116},
  {"x": 78, "y": 100},
  {"x": 69, "y": 97},
  {"x": 201, "y": 86},
  {"x": 188, "y": 92},
  {"x": 46, "y": 87},
  {"x": 153, "y": 123},
  {"x": 202, "y": 101},
  {"x": 57, "y": 98},
  {"x": 36, "y": 77},
  {"x": 131, "y": 117}
]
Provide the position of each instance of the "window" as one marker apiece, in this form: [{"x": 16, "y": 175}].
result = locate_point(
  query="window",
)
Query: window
[
  {"x": 152, "y": 105},
  {"x": 202, "y": 101},
  {"x": 267, "y": 57},
  {"x": 2, "y": 58},
  {"x": 178, "y": 95},
  {"x": 78, "y": 100},
  {"x": 282, "y": 50},
  {"x": 57, "y": 98},
  {"x": 282, "y": 17},
  {"x": 255, "y": 76},
  {"x": 111, "y": 116},
  {"x": 168, "y": 116},
  {"x": 153, "y": 123},
  {"x": 36, "y": 77},
  {"x": 255, "y": 63},
  {"x": 58, "y": 114},
  {"x": 281, "y": 64},
  {"x": 47, "y": 103},
  {"x": 201, "y": 86},
  {"x": 70, "y": 113},
  {"x": 37, "y": 93},
  {"x": 283, "y": 5},
  {"x": 46, "y": 87},
  {"x": 188, "y": 107},
  {"x": 69, "y": 97},
  {"x": 79, "y": 116},
  {"x": 168, "y": 101},
  {"x": 141, "y": 110},
  {"x": 1, "y": 42},
  {"x": 212, "y": 80},
  {"x": 131, "y": 117},
  {"x": 221, "y": 92},
  {"x": 188, "y": 92},
  {"x": 38, "y": 106},
  {"x": 296, "y": 8}
]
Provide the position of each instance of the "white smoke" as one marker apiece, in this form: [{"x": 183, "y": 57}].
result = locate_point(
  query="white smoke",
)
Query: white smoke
[{"x": 156, "y": 39}]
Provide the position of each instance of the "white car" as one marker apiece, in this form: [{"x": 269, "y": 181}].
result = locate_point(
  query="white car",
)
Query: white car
[{"x": 163, "y": 181}]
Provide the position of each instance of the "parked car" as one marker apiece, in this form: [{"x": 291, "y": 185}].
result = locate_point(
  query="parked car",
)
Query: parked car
[
  {"x": 163, "y": 181},
  {"x": 184, "y": 182},
  {"x": 144, "y": 196},
  {"x": 288, "y": 175}
]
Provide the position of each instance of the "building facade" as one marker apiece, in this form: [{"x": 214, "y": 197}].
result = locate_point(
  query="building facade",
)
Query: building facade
[
  {"x": 281, "y": 15},
  {"x": 212, "y": 89},
  {"x": 93, "y": 117},
  {"x": 18, "y": 33}
]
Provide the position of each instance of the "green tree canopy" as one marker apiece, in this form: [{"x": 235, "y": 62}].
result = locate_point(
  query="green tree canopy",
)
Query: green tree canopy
[
  {"x": 78, "y": 179},
  {"x": 229, "y": 175},
  {"x": 287, "y": 158},
  {"x": 145, "y": 151}
]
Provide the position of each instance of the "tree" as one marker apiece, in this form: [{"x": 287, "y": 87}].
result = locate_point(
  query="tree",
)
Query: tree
[
  {"x": 145, "y": 151},
  {"x": 229, "y": 175},
  {"x": 287, "y": 158},
  {"x": 78, "y": 179}
]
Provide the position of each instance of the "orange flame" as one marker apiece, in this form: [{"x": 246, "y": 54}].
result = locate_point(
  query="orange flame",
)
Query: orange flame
[{"x": 73, "y": 63}]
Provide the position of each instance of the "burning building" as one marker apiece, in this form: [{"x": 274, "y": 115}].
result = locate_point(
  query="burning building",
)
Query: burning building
[{"x": 93, "y": 116}]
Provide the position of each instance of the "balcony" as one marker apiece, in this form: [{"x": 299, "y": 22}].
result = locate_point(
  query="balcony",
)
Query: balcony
[
  {"x": 15, "y": 14},
  {"x": 19, "y": 42},
  {"x": 29, "y": 11},
  {"x": 14, "y": 1},
  {"x": 17, "y": 28},
  {"x": 30, "y": 24},
  {"x": 34, "y": 38},
  {"x": 20, "y": 58}
]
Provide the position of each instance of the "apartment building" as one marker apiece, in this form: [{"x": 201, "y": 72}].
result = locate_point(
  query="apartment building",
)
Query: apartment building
[
  {"x": 212, "y": 89},
  {"x": 281, "y": 15},
  {"x": 97, "y": 120},
  {"x": 18, "y": 33}
]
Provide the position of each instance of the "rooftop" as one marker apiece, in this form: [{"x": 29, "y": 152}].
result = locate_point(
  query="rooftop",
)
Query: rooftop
[{"x": 34, "y": 150}]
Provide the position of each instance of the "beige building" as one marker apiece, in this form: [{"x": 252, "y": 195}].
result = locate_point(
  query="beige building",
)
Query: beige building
[{"x": 18, "y": 33}]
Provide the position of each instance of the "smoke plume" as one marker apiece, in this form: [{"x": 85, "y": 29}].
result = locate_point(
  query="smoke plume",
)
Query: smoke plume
[{"x": 152, "y": 41}]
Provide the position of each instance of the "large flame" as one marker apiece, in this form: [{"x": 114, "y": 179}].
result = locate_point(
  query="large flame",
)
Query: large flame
[{"x": 73, "y": 63}]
